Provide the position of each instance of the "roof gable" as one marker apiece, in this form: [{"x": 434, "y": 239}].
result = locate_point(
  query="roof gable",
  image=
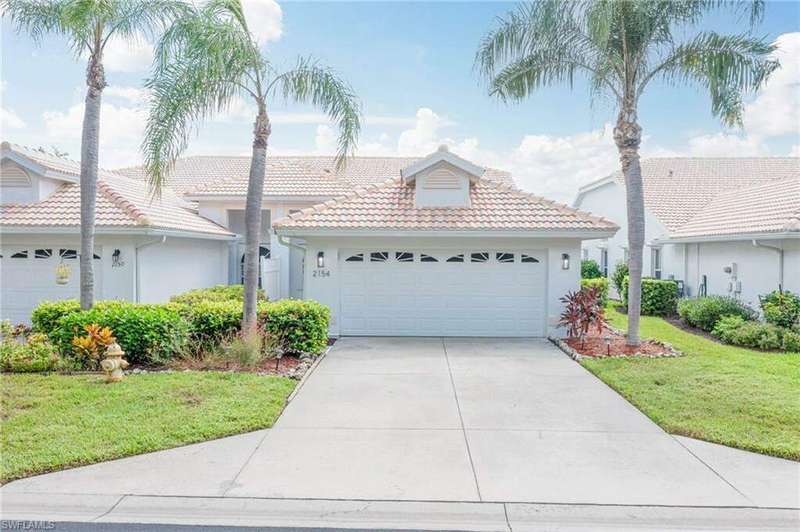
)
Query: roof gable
[{"x": 442, "y": 155}]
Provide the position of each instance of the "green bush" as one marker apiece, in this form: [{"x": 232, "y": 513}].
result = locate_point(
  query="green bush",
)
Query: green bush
[
  {"x": 705, "y": 312},
  {"x": 602, "y": 284},
  {"x": 726, "y": 327},
  {"x": 47, "y": 313},
  {"x": 149, "y": 334},
  {"x": 211, "y": 321},
  {"x": 303, "y": 325},
  {"x": 659, "y": 296},
  {"x": 233, "y": 292},
  {"x": 35, "y": 354},
  {"x": 781, "y": 308},
  {"x": 590, "y": 269},
  {"x": 618, "y": 276},
  {"x": 791, "y": 341}
]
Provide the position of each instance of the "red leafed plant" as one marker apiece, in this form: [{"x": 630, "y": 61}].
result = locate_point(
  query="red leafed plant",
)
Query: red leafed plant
[{"x": 582, "y": 311}]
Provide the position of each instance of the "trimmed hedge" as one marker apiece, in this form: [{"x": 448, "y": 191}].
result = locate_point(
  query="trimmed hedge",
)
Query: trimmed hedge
[
  {"x": 302, "y": 324},
  {"x": 47, "y": 313},
  {"x": 659, "y": 296},
  {"x": 233, "y": 292},
  {"x": 602, "y": 284},
  {"x": 705, "y": 312},
  {"x": 590, "y": 269},
  {"x": 781, "y": 308},
  {"x": 738, "y": 331},
  {"x": 211, "y": 321},
  {"x": 149, "y": 334}
]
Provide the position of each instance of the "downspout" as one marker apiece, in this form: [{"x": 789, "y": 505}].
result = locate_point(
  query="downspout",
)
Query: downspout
[
  {"x": 758, "y": 244},
  {"x": 282, "y": 240},
  {"x": 137, "y": 282}
]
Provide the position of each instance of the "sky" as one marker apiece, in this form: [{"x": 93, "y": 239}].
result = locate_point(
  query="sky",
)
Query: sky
[{"x": 411, "y": 64}]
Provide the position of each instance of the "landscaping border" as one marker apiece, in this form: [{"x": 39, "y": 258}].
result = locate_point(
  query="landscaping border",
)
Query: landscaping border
[
  {"x": 575, "y": 355},
  {"x": 307, "y": 374}
]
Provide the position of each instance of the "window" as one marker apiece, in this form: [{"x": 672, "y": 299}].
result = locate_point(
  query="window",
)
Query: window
[
  {"x": 20, "y": 254},
  {"x": 42, "y": 253},
  {"x": 379, "y": 256},
  {"x": 604, "y": 262},
  {"x": 95, "y": 256},
  {"x": 655, "y": 262},
  {"x": 404, "y": 256},
  {"x": 456, "y": 258},
  {"x": 263, "y": 253},
  {"x": 528, "y": 259},
  {"x": 479, "y": 257},
  {"x": 427, "y": 258},
  {"x": 504, "y": 257},
  {"x": 67, "y": 253},
  {"x": 358, "y": 257}
]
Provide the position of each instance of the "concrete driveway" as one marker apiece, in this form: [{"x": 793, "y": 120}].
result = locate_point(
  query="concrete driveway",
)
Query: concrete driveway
[{"x": 433, "y": 419}]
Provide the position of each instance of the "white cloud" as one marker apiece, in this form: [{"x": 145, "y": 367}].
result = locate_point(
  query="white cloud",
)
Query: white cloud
[
  {"x": 775, "y": 110},
  {"x": 424, "y": 136},
  {"x": 9, "y": 119},
  {"x": 264, "y": 19},
  {"x": 325, "y": 140},
  {"x": 121, "y": 132},
  {"x": 122, "y": 55},
  {"x": 727, "y": 145},
  {"x": 134, "y": 95},
  {"x": 795, "y": 151}
]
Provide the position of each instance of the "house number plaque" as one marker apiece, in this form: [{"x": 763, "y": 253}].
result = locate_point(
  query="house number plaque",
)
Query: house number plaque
[{"x": 321, "y": 273}]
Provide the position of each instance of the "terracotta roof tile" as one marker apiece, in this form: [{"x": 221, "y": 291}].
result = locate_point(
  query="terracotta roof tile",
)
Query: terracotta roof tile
[{"x": 390, "y": 205}]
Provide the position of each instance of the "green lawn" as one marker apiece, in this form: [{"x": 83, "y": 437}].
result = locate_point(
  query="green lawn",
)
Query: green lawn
[
  {"x": 51, "y": 422},
  {"x": 719, "y": 393}
]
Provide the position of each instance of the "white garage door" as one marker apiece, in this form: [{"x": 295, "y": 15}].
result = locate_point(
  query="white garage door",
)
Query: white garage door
[
  {"x": 387, "y": 292},
  {"x": 28, "y": 276}
]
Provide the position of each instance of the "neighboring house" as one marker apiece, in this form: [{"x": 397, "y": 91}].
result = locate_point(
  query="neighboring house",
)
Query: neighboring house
[
  {"x": 401, "y": 246},
  {"x": 727, "y": 226}
]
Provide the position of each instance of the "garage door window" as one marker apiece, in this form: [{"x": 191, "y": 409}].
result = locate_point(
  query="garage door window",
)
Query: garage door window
[
  {"x": 20, "y": 254},
  {"x": 427, "y": 258},
  {"x": 67, "y": 253},
  {"x": 404, "y": 256},
  {"x": 505, "y": 258},
  {"x": 379, "y": 256},
  {"x": 528, "y": 259},
  {"x": 456, "y": 258},
  {"x": 358, "y": 257},
  {"x": 43, "y": 253},
  {"x": 479, "y": 257}
]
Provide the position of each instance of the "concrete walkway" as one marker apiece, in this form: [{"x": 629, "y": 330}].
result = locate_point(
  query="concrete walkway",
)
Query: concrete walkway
[{"x": 453, "y": 431}]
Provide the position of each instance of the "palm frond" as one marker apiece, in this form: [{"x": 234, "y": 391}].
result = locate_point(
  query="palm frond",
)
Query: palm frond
[
  {"x": 134, "y": 18},
  {"x": 309, "y": 82},
  {"x": 38, "y": 18}
]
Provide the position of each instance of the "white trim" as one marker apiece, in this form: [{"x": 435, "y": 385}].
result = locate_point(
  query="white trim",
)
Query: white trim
[
  {"x": 43, "y": 230},
  {"x": 592, "y": 186},
  {"x": 736, "y": 237},
  {"x": 37, "y": 168},
  {"x": 542, "y": 233},
  {"x": 410, "y": 172}
]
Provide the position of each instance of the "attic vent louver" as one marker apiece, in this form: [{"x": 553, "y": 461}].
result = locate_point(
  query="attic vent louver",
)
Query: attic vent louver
[
  {"x": 442, "y": 179},
  {"x": 12, "y": 175}
]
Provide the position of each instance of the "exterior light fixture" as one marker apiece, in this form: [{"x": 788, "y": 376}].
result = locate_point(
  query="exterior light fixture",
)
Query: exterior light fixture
[
  {"x": 116, "y": 259},
  {"x": 320, "y": 259},
  {"x": 565, "y": 261}
]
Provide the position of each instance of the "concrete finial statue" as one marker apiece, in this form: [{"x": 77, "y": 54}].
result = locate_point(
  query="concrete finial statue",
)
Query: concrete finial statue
[{"x": 113, "y": 363}]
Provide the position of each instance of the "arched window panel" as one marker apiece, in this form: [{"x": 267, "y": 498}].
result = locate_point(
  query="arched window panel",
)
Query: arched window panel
[
  {"x": 456, "y": 258},
  {"x": 427, "y": 258},
  {"x": 528, "y": 259},
  {"x": 379, "y": 256},
  {"x": 358, "y": 257},
  {"x": 504, "y": 257},
  {"x": 479, "y": 257},
  {"x": 404, "y": 256}
]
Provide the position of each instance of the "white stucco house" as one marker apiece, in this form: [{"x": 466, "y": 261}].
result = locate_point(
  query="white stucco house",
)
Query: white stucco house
[
  {"x": 394, "y": 246},
  {"x": 726, "y": 226}
]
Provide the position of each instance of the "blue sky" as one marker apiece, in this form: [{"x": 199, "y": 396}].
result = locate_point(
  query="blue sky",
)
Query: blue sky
[{"x": 411, "y": 65}]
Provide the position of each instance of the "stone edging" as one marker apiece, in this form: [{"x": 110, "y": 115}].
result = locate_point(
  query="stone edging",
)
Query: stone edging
[
  {"x": 575, "y": 355},
  {"x": 307, "y": 374}
]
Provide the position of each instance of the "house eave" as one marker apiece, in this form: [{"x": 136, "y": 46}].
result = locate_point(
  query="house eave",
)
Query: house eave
[
  {"x": 736, "y": 237},
  {"x": 299, "y": 198},
  {"x": 439, "y": 233},
  {"x": 122, "y": 231}
]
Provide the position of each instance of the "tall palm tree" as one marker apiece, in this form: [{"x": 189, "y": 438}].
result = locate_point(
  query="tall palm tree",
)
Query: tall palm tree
[
  {"x": 622, "y": 46},
  {"x": 204, "y": 61},
  {"x": 88, "y": 26}
]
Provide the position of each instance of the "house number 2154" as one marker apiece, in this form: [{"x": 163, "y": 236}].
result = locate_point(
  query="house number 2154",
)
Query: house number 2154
[{"x": 321, "y": 273}]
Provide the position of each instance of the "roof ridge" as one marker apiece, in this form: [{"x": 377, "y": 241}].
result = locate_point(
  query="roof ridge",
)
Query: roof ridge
[{"x": 121, "y": 202}]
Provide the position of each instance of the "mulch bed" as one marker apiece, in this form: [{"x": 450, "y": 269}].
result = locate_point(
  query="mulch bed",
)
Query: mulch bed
[
  {"x": 595, "y": 346},
  {"x": 288, "y": 366}
]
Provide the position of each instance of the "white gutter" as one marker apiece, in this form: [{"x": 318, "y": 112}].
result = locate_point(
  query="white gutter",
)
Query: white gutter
[
  {"x": 727, "y": 238},
  {"x": 136, "y": 248},
  {"x": 583, "y": 234},
  {"x": 757, "y": 244},
  {"x": 282, "y": 240},
  {"x": 42, "y": 230}
]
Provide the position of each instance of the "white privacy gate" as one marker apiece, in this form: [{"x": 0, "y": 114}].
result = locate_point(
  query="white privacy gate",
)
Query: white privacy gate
[
  {"x": 442, "y": 292},
  {"x": 271, "y": 278}
]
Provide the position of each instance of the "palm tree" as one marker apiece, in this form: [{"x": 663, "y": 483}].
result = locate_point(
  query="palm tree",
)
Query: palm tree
[
  {"x": 622, "y": 46},
  {"x": 204, "y": 61},
  {"x": 88, "y": 26}
]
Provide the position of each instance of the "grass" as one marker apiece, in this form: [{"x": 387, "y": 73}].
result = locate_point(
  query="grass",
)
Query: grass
[
  {"x": 52, "y": 422},
  {"x": 718, "y": 393}
]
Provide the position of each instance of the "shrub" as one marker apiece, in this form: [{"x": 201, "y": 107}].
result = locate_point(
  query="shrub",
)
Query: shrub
[
  {"x": 88, "y": 350},
  {"x": 47, "y": 313},
  {"x": 705, "y": 312},
  {"x": 791, "y": 341},
  {"x": 244, "y": 349},
  {"x": 590, "y": 269},
  {"x": 211, "y": 321},
  {"x": 233, "y": 292},
  {"x": 781, "y": 308},
  {"x": 149, "y": 334},
  {"x": 582, "y": 311},
  {"x": 659, "y": 296},
  {"x": 618, "y": 276},
  {"x": 602, "y": 288},
  {"x": 302, "y": 325},
  {"x": 726, "y": 327},
  {"x": 35, "y": 354}
]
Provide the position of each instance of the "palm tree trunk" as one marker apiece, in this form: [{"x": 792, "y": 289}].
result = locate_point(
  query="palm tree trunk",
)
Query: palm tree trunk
[
  {"x": 90, "y": 147},
  {"x": 628, "y": 138},
  {"x": 252, "y": 216}
]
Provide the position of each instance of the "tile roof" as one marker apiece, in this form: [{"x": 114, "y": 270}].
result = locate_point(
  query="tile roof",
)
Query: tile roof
[
  {"x": 314, "y": 176},
  {"x": 121, "y": 202},
  {"x": 677, "y": 188},
  {"x": 767, "y": 208},
  {"x": 494, "y": 206}
]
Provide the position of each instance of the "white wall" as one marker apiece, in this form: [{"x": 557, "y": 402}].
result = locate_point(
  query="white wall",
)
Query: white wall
[
  {"x": 326, "y": 289},
  {"x": 180, "y": 264}
]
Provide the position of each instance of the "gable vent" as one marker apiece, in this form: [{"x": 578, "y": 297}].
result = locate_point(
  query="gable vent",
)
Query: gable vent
[
  {"x": 12, "y": 175},
  {"x": 442, "y": 179}
]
